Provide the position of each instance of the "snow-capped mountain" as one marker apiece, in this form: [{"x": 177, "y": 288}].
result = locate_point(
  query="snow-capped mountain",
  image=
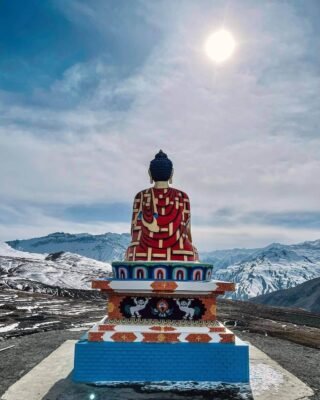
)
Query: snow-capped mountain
[
  {"x": 311, "y": 250},
  {"x": 8, "y": 251},
  {"x": 273, "y": 268},
  {"x": 107, "y": 247},
  {"x": 38, "y": 272}
]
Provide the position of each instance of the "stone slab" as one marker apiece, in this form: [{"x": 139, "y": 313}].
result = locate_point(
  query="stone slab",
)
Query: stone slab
[{"x": 270, "y": 381}]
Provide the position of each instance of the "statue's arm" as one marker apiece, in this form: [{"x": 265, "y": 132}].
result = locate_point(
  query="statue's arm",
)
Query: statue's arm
[
  {"x": 189, "y": 231},
  {"x": 188, "y": 209},
  {"x": 135, "y": 210}
]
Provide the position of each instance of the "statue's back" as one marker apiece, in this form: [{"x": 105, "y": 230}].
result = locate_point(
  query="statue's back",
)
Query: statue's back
[{"x": 160, "y": 226}]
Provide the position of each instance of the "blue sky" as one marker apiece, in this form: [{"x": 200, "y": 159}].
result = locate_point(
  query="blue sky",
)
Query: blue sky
[{"x": 90, "y": 91}]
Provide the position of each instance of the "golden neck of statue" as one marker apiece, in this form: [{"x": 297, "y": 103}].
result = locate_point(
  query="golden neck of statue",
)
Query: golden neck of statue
[{"x": 161, "y": 185}]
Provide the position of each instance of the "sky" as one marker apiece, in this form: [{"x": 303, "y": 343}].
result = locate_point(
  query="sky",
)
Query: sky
[{"x": 90, "y": 91}]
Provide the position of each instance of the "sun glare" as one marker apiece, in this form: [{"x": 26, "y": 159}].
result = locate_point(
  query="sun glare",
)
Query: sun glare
[{"x": 220, "y": 46}]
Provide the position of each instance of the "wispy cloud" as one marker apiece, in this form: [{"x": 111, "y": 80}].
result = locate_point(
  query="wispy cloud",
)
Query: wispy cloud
[{"x": 243, "y": 137}]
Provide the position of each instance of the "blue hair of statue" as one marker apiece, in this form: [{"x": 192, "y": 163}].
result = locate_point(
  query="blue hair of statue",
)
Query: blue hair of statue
[{"x": 161, "y": 167}]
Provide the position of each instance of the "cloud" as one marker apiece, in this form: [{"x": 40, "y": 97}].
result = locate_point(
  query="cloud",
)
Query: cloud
[
  {"x": 291, "y": 219},
  {"x": 243, "y": 137},
  {"x": 244, "y": 236}
]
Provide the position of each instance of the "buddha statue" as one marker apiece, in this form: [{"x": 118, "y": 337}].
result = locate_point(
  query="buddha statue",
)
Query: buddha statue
[{"x": 160, "y": 227}]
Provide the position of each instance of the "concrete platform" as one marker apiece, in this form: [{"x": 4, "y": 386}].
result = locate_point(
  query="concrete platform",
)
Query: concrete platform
[{"x": 51, "y": 380}]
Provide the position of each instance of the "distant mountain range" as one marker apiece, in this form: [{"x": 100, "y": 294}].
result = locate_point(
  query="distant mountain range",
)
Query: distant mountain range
[
  {"x": 306, "y": 296},
  {"x": 256, "y": 271},
  {"x": 107, "y": 247},
  {"x": 224, "y": 258},
  {"x": 58, "y": 273}
]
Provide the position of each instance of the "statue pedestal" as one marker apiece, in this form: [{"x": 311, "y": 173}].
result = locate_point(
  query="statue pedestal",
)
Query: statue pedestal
[
  {"x": 161, "y": 329},
  {"x": 154, "y": 362}
]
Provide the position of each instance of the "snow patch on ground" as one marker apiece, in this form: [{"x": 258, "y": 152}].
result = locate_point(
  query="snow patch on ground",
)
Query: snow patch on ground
[
  {"x": 264, "y": 378},
  {"x": 46, "y": 323},
  {"x": 6, "y": 313},
  {"x": 27, "y": 308},
  {"x": 235, "y": 391},
  {"x": 9, "y": 327}
]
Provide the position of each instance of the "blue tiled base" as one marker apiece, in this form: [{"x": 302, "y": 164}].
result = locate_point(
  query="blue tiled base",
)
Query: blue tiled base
[{"x": 153, "y": 362}]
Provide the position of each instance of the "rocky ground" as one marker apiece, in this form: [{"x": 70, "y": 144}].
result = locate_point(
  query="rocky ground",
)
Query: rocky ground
[
  {"x": 23, "y": 313},
  {"x": 294, "y": 325},
  {"x": 33, "y": 325}
]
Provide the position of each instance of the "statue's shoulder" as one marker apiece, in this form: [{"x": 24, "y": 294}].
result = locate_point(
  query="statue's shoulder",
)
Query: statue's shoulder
[
  {"x": 180, "y": 193},
  {"x": 142, "y": 192}
]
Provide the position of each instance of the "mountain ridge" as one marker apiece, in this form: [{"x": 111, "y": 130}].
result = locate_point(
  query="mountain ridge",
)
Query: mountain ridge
[
  {"x": 105, "y": 247},
  {"x": 255, "y": 271}
]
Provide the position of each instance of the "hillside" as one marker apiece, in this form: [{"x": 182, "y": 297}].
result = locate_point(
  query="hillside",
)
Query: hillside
[
  {"x": 305, "y": 295},
  {"x": 272, "y": 268},
  {"x": 48, "y": 274}
]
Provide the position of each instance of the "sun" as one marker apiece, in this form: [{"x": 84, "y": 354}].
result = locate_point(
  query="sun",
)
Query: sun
[{"x": 220, "y": 46}]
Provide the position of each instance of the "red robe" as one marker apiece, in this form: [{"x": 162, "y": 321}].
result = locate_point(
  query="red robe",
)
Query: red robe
[{"x": 160, "y": 227}]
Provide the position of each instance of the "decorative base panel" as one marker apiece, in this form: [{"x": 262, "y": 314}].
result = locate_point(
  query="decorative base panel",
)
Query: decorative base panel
[
  {"x": 105, "y": 331},
  {"x": 154, "y": 362},
  {"x": 160, "y": 307}
]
